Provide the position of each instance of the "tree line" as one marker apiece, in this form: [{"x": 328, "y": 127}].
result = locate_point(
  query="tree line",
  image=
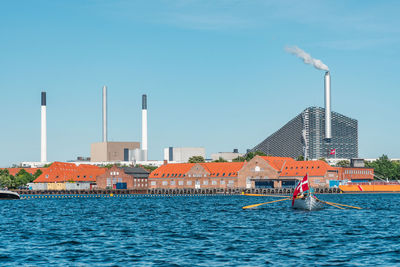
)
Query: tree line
[{"x": 21, "y": 179}]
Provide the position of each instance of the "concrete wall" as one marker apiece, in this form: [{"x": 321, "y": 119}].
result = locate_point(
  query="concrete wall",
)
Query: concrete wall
[
  {"x": 110, "y": 151},
  {"x": 37, "y": 186},
  {"x": 77, "y": 186},
  {"x": 56, "y": 186}
]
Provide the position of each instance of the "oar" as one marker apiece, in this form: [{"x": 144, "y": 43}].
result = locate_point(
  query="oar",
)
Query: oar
[
  {"x": 256, "y": 205},
  {"x": 328, "y": 203},
  {"x": 261, "y": 195},
  {"x": 354, "y": 207}
]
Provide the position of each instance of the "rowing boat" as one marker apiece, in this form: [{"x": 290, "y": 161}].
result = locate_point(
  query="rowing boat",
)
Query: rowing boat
[{"x": 308, "y": 203}]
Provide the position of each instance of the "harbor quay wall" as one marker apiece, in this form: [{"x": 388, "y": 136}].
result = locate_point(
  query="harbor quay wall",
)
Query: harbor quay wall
[{"x": 181, "y": 191}]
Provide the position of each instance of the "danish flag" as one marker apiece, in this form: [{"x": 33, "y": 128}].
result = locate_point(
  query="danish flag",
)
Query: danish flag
[
  {"x": 300, "y": 188},
  {"x": 333, "y": 151}
]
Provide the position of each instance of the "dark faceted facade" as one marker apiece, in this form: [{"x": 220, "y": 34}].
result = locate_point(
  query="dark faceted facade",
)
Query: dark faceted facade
[{"x": 304, "y": 135}]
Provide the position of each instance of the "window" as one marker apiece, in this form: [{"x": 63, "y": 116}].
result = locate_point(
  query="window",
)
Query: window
[
  {"x": 189, "y": 182},
  {"x": 231, "y": 182},
  {"x": 108, "y": 181},
  {"x": 223, "y": 174},
  {"x": 162, "y": 175},
  {"x": 119, "y": 180},
  {"x": 180, "y": 182},
  {"x": 205, "y": 182},
  {"x": 153, "y": 183},
  {"x": 172, "y": 182},
  {"x": 214, "y": 182},
  {"x": 217, "y": 174},
  {"x": 222, "y": 182},
  {"x": 164, "y": 183}
]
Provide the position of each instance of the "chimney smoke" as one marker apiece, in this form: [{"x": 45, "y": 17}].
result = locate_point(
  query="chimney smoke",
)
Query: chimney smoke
[{"x": 307, "y": 58}]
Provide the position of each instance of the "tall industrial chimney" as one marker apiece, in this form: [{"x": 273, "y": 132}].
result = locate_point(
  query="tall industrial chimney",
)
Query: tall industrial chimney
[
  {"x": 328, "y": 121},
  {"x": 104, "y": 113},
  {"x": 43, "y": 150},
  {"x": 144, "y": 126}
]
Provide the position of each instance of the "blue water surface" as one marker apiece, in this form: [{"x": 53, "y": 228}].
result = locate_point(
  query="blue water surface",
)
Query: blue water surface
[{"x": 202, "y": 230}]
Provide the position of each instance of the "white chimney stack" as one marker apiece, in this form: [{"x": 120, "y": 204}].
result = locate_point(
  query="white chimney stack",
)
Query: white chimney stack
[
  {"x": 144, "y": 126},
  {"x": 328, "y": 121},
  {"x": 104, "y": 113},
  {"x": 43, "y": 150}
]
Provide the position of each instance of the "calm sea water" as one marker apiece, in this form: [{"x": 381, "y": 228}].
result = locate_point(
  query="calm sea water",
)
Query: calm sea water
[{"x": 203, "y": 230}]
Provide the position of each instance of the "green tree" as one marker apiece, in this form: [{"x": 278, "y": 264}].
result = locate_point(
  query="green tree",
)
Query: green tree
[
  {"x": 37, "y": 174},
  {"x": 300, "y": 158},
  {"x": 249, "y": 156},
  {"x": 196, "y": 159},
  {"x": 343, "y": 163},
  {"x": 220, "y": 160},
  {"x": 385, "y": 168}
]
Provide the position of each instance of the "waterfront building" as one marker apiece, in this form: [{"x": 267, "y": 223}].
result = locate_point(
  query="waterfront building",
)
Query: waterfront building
[
  {"x": 183, "y": 154},
  {"x": 112, "y": 151},
  {"x": 123, "y": 178},
  {"x": 304, "y": 135},
  {"x": 259, "y": 172},
  {"x": 67, "y": 176},
  {"x": 196, "y": 175}
]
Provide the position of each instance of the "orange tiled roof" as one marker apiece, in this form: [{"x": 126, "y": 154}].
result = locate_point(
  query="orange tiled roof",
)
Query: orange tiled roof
[
  {"x": 172, "y": 170},
  {"x": 221, "y": 169},
  {"x": 216, "y": 169},
  {"x": 63, "y": 172},
  {"x": 277, "y": 162},
  {"x": 14, "y": 171},
  {"x": 300, "y": 168}
]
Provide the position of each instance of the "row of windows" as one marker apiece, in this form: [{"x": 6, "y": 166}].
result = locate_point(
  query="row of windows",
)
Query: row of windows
[
  {"x": 312, "y": 167},
  {"x": 358, "y": 172},
  {"x": 194, "y": 175},
  {"x": 205, "y": 182}
]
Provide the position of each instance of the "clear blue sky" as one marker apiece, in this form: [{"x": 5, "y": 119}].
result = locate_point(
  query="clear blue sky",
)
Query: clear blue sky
[{"x": 216, "y": 72}]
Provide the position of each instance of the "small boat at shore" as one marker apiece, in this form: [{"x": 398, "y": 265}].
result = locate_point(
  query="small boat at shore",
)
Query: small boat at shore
[{"x": 5, "y": 194}]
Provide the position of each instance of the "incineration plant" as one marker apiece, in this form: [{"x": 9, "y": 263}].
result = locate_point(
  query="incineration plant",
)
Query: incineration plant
[{"x": 315, "y": 133}]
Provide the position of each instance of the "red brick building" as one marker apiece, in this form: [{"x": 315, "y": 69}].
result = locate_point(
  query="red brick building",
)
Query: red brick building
[
  {"x": 260, "y": 172},
  {"x": 196, "y": 175},
  {"x": 125, "y": 177}
]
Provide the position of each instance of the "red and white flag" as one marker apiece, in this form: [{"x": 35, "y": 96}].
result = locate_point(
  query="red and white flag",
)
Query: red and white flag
[
  {"x": 300, "y": 188},
  {"x": 333, "y": 151}
]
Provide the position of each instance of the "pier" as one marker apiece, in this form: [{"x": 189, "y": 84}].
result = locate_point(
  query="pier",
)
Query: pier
[{"x": 161, "y": 191}]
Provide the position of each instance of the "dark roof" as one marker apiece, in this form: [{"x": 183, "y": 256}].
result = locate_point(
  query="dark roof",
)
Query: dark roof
[{"x": 136, "y": 172}]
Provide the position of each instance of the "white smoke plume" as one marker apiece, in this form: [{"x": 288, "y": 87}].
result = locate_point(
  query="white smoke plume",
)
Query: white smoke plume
[{"x": 307, "y": 58}]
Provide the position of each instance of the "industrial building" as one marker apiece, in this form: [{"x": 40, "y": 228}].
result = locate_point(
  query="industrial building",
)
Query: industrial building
[
  {"x": 112, "y": 151},
  {"x": 106, "y": 151},
  {"x": 315, "y": 133},
  {"x": 183, "y": 154},
  {"x": 304, "y": 135}
]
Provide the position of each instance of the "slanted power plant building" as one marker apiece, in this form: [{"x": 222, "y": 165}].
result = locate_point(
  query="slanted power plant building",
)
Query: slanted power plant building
[{"x": 304, "y": 135}]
